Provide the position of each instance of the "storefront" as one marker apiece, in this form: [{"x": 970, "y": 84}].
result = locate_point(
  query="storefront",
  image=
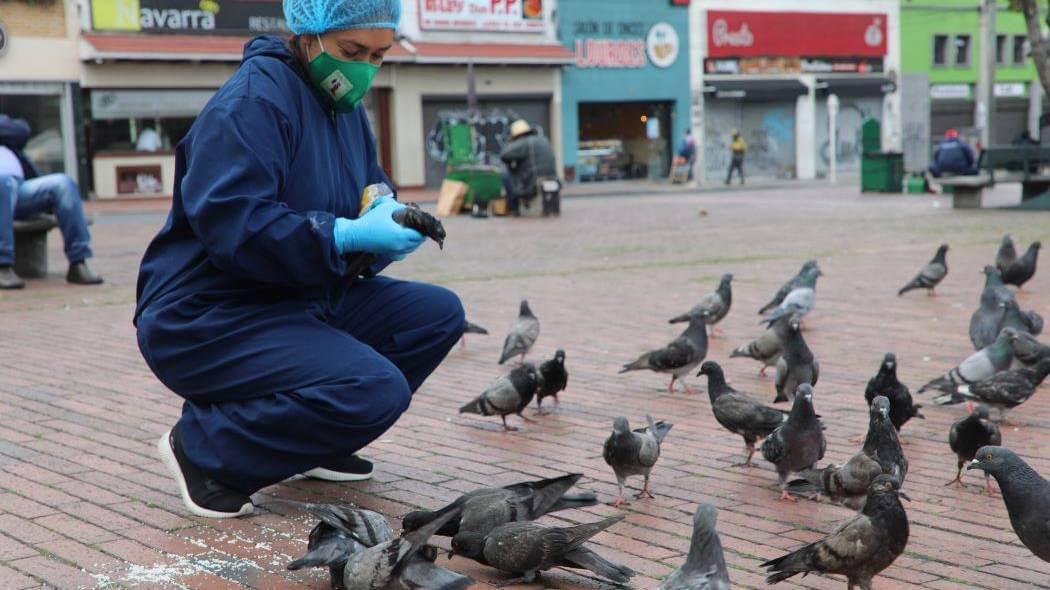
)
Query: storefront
[
  {"x": 768, "y": 74},
  {"x": 952, "y": 107},
  {"x": 38, "y": 81},
  {"x": 625, "y": 97}
]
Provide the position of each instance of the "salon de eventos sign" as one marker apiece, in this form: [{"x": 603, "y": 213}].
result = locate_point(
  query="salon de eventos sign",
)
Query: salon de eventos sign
[{"x": 625, "y": 45}]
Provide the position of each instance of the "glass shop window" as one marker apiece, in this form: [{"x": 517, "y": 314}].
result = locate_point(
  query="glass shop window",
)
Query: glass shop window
[{"x": 46, "y": 147}]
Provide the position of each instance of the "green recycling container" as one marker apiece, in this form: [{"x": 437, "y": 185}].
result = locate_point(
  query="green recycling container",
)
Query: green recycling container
[
  {"x": 882, "y": 172},
  {"x": 485, "y": 183}
]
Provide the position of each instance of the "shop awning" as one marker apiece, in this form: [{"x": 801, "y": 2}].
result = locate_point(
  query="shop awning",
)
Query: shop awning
[
  {"x": 754, "y": 89},
  {"x": 491, "y": 53},
  {"x": 856, "y": 86},
  {"x": 229, "y": 49},
  {"x": 179, "y": 48}
]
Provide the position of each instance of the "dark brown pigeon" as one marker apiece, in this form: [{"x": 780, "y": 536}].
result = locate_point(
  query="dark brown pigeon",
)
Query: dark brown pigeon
[
  {"x": 739, "y": 413},
  {"x": 970, "y": 433},
  {"x": 1026, "y": 493}
]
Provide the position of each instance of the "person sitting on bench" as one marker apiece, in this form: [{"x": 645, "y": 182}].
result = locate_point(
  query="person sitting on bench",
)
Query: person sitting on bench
[
  {"x": 528, "y": 158},
  {"x": 24, "y": 193}
]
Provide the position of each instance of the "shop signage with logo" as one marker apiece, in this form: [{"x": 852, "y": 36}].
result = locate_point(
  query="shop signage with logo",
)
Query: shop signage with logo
[
  {"x": 216, "y": 17},
  {"x": 509, "y": 16},
  {"x": 950, "y": 91},
  {"x": 1010, "y": 90},
  {"x": 3, "y": 39},
  {"x": 793, "y": 65},
  {"x": 658, "y": 45},
  {"x": 733, "y": 33}
]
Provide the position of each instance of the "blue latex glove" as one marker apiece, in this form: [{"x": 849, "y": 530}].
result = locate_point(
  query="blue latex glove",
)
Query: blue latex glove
[{"x": 376, "y": 232}]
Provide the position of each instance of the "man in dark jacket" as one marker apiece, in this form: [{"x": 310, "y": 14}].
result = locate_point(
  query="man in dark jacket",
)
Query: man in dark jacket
[
  {"x": 953, "y": 156},
  {"x": 528, "y": 158},
  {"x": 25, "y": 193}
]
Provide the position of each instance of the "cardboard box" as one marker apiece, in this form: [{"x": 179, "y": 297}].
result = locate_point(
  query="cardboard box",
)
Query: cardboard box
[{"x": 450, "y": 200}]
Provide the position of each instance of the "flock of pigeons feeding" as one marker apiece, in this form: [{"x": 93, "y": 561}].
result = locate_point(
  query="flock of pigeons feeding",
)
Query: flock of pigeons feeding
[{"x": 496, "y": 526}]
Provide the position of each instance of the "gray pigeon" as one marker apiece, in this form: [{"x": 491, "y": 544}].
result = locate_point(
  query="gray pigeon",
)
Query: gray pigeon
[
  {"x": 678, "y": 358},
  {"x": 1004, "y": 390},
  {"x": 553, "y": 379},
  {"x": 1025, "y": 321},
  {"x": 1027, "y": 350},
  {"x": 796, "y": 364},
  {"x": 985, "y": 321},
  {"x": 343, "y": 530},
  {"x": 634, "y": 452},
  {"x": 1026, "y": 493},
  {"x": 739, "y": 413},
  {"x": 859, "y": 548},
  {"x": 786, "y": 288},
  {"x": 803, "y": 297},
  {"x": 1006, "y": 255},
  {"x": 984, "y": 363},
  {"x": 797, "y": 444},
  {"x": 522, "y": 335},
  {"x": 716, "y": 305},
  {"x": 484, "y": 509},
  {"x": 881, "y": 454},
  {"x": 510, "y": 394},
  {"x": 764, "y": 349},
  {"x": 705, "y": 565},
  {"x": 401, "y": 564},
  {"x": 931, "y": 275},
  {"x": 1022, "y": 270},
  {"x": 528, "y": 548},
  {"x": 471, "y": 328},
  {"x": 967, "y": 435}
]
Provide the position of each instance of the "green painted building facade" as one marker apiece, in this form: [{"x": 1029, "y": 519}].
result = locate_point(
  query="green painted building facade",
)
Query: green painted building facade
[{"x": 940, "y": 41}]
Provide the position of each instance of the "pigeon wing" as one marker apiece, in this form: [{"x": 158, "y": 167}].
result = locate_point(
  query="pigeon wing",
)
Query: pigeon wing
[{"x": 673, "y": 356}]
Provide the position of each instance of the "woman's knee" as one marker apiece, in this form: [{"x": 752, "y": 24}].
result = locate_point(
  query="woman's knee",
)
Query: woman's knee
[
  {"x": 389, "y": 399},
  {"x": 447, "y": 311}
]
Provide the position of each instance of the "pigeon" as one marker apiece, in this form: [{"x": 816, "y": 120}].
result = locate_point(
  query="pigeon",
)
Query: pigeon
[
  {"x": 402, "y": 564},
  {"x": 739, "y": 413},
  {"x": 343, "y": 530},
  {"x": 764, "y": 349},
  {"x": 510, "y": 394},
  {"x": 680, "y": 357},
  {"x": 982, "y": 364},
  {"x": 522, "y": 335},
  {"x": 881, "y": 454},
  {"x": 471, "y": 328},
  {"x": 970, "y": 433},
  {"x": 798, "y": 443},
  {"x": 528, "y": 548},
  {"x": 797, "y": 364},
  {"x": 716, "y": 305},
  {"x": 553, "y": 378},
  {"x": 803, "y": 297},
  {"x": 787, "y": 287},
  {"x": 1004, "y": 390},
  {"x": 1022, "y": 270},
  {"x": 1006, "y": 255},
  {"x": 1027, "y": 350},
  {"x": 484, "y": 509},
  {"x": 634, "y": 452},
  {"x": 985, "y": 321},
  {"x": 931, "y": 275},
  {"x": 885, "y": 383},
  {"x": 705, "y": 565},
  {"x": 1025, "y": 321},
  {"x": 1026, "y": 494},
  {"x": 859, "y": 548}
]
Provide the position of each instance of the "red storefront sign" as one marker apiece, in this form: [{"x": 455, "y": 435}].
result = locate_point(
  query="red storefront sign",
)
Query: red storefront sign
[{"x": 732, "y": 33}]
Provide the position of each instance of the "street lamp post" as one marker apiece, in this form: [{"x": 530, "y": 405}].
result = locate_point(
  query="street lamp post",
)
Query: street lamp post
[{"x": 833, "y": 142}]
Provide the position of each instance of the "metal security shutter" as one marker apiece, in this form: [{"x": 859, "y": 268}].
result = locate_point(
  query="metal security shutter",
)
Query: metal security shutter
[{"x": 1009, "y": 120}]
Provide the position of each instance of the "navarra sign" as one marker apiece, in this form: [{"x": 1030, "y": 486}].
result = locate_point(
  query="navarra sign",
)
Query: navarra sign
[
  {"x": 508, "y": 16},
  {"x": 233, "y": 17},
  {"x": 737, "y": 33}
]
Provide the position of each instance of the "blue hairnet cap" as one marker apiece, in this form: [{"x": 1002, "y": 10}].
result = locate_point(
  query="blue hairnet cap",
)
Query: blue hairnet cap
[{"x": 307, "y": 17}]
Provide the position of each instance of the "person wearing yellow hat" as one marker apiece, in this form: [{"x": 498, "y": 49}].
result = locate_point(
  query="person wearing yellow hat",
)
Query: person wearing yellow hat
[{"x": 528, "y": 157}]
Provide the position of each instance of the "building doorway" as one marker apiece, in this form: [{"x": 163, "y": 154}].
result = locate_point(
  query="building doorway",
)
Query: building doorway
[{"x": 619, "y": 140}]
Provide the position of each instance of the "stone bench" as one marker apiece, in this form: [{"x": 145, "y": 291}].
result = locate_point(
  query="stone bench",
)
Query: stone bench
[
  {"x": 968, "y": 190},
  {"x": 31, "y": 245}
]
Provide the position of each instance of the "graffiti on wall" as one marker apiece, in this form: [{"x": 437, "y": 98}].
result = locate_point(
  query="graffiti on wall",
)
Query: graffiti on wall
[
  {"x": 769, "y": 131},
  {"x": 851, "y": 117},
  {"x": 491, "y": 133}
]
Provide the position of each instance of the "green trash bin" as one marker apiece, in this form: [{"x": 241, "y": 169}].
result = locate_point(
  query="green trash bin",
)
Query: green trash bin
[
  {"x": 484, "y": 183},
  {"x": 882, "y": 172}
]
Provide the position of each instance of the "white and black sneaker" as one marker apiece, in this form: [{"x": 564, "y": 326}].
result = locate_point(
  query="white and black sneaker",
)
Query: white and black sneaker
[
  {"x": 352, "y": 468},
  {"x": 202, "y": 495}
]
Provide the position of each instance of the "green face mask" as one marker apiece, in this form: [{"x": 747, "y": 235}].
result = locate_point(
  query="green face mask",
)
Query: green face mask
[{"x": 343, "y": 83}]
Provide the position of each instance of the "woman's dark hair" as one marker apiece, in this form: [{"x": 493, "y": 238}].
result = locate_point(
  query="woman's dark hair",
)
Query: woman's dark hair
[{"x": 295, "y": 45}]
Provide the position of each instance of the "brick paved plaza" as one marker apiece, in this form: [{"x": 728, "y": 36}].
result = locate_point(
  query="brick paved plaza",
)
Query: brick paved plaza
[{"x": 85, "y": 503}]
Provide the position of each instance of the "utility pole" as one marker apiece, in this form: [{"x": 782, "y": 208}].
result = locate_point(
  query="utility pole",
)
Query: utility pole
[
  {"x": 833, "y": 137},
  {"x": 985, "y": 103}
]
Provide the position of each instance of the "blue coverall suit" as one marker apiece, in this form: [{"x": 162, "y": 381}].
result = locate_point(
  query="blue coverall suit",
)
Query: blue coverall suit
[{"x": 243, "y": 309}]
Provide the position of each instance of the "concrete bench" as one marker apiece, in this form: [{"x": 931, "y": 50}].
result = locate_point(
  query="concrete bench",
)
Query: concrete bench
[
  {"x": 968, "y": 190},
  {"x": 31, "y": 245}
]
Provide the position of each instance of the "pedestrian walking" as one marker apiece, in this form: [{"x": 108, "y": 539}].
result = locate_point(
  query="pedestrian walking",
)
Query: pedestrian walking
[{"x": 738, "y": 147}]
